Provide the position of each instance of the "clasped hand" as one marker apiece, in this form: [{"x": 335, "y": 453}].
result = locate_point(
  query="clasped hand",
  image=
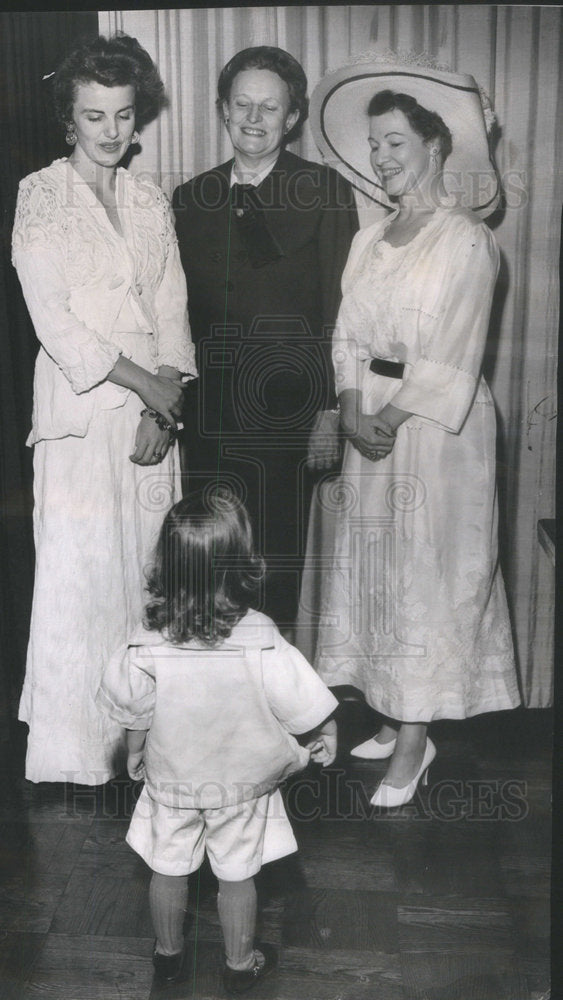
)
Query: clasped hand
[
  {"x": 323, "y": 744},
  {"x": 151, "y": 443},
  {"x": 136, "y": 765},
  {"x": 324, "y": 442},
  {"x": 373, "y": 437},
  {"x": 323, "y": 749},
  {"x": 165, "y": 395}
]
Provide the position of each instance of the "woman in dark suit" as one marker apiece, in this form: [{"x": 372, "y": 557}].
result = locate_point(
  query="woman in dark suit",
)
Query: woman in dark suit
[{"x": 263, "y": 240}]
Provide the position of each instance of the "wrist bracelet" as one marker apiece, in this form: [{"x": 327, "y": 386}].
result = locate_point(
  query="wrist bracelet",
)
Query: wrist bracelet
[{"x": 159, "y": 420}]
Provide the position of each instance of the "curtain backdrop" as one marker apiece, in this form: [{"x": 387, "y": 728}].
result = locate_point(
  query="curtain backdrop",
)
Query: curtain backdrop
[
  {"x": 513, "y": 51},
  {"x": 31, "y": 44}
]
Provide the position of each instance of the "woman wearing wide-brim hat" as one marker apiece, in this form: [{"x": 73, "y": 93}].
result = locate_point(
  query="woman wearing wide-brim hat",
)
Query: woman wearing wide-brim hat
[{"x": 414, "y": 607}]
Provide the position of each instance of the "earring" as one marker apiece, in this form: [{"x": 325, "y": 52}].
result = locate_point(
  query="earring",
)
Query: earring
[
  {"x": 71, "y": 137},
  {"x": 226, "y": 119},
  {"x": 135, "y": 138}
]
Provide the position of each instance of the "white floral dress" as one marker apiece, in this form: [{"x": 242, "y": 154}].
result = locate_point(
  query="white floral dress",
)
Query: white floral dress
[
  {"x": 414, "y": 611},
  {"x": 92, "y": 295}
]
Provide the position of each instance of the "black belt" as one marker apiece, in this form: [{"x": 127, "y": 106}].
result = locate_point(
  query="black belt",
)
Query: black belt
[{"x": 391, "y": 369}]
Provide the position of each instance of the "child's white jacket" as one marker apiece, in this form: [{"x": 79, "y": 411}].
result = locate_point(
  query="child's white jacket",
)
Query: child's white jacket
[{"x": 220, "y": 719}]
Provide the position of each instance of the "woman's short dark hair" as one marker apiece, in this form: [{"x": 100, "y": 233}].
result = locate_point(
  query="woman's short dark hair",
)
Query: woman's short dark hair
[
  {"x": 277, "y": 61},
  {"x": 205, "y": 572},
  {"x": 113, "y": 62},
  {"x": 427, "y": 124}
]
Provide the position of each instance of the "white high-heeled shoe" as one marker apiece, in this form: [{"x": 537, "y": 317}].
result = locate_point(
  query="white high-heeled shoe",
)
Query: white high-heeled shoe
[
  {"x": 372, "y": 750},
  {"x": 388, "y": 797}
]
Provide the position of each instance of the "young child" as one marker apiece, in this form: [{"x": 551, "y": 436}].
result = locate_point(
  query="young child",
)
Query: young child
[{"x": 209, "y": 693}]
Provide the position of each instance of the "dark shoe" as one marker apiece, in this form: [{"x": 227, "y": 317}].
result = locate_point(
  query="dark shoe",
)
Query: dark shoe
[
  {"x": 236, "y": 981},
  {"x": 168, "y": 968}
]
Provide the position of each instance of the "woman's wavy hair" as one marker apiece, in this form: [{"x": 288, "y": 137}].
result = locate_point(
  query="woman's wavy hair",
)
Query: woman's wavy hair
[
  {"x": 277, "y": 61},
  {"x": 205, "y": 572},
  {"x": 113, "y": 62},
  {"x": 427, "y": 124}
]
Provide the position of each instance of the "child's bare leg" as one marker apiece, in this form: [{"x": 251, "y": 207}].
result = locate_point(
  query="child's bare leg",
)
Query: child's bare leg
[
  {"x": 236, "y": 903},
  {"x": 168, "y": 898}
]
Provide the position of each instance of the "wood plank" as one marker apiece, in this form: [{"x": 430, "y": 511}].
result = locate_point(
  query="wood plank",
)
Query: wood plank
[
  {"x": 435, "y": 976},
  {"x": 537, "y": 973},
  {"x": 85, "y": 967},
  {"x": 28, "y": 901},
  {"x": 131, "y": 913},
  {"x": 49, "y": 846},
  {"x": 456, "y": 926},
  {"x": 105, "y": 852},
  {"x": 349, "y": 872},
  {"x": 103, "y": 906},
  {"x": 301, "y": 973},
  {"x": 531, "y": 919},
  {"x": 441, "y": 858},
  {"x": 18, "y": 953},
  {"x": 44, "y": 801},
  {"x": 524, "y": 875},
  {"x": 347, "y": 975},
  {"x": 327, "y": 919},
  {"x": 347, "y": 854}
]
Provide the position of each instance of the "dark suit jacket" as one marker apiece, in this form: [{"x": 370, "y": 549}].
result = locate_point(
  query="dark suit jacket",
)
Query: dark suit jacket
[
  {"x": 262, "y": 326},
  {"x": 263, "y": 332}
]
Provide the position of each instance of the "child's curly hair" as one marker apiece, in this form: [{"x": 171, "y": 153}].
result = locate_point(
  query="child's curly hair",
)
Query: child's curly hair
[{"x": 205, "y": 572}]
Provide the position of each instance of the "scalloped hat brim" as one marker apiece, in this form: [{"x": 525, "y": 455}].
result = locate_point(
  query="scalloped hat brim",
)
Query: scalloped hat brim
[{"x": 339, "y": 122}]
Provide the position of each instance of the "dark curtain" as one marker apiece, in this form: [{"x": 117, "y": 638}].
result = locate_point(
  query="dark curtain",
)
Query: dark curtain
[{"x": 31, "y": 46}]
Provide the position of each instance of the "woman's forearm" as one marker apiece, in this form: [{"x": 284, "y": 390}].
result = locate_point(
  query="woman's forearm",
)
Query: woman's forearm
[
  {"x": 135, "y": 739},
  {"x": 130, "y": 375},
  {"x": 162, "y": 393},
  {"x": 393, "y": 416},
  {"x": 350, "y": 403},
  {"x": 166, "y": 371}
]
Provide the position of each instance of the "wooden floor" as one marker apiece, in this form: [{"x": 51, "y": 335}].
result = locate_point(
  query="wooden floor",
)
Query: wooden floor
[{"x": 446, "y": 899}]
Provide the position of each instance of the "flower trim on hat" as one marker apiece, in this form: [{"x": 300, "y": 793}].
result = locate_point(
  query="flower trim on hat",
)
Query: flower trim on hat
[{"x": 424, "y": 60}]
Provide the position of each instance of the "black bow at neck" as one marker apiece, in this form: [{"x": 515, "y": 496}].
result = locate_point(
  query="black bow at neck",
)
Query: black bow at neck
[{"x": 250, "y": 219}]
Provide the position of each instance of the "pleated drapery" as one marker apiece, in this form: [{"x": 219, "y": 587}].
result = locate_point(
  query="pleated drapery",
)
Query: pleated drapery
[{"x": 514, "y": 53}]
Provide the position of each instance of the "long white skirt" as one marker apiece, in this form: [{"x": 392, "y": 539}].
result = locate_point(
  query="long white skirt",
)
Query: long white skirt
[
  {"x": 414, "y": 612},
  {"x": 96, "y": 519}
]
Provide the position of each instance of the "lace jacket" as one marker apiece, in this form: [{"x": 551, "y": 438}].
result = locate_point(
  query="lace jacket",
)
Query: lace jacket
[{"x": 80, "y": 278}]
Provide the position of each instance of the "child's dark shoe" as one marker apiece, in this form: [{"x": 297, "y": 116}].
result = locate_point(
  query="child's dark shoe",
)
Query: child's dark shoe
[
  {"x": 265, "y": 961},
  {"x": 168, "y": 968}
]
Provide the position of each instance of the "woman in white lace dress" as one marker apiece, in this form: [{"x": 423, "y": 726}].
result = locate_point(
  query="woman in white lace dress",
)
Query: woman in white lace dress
[
  {"x": 414, "y": 609},
  {"x": 96, "y": 254}
]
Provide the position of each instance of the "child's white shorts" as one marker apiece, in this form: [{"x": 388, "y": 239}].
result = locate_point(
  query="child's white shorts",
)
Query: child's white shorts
[{"x": 238, "y": 839}]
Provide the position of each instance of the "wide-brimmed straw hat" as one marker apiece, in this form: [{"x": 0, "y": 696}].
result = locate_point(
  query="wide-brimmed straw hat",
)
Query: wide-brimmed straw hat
[{"x": 338, "y": 116}]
